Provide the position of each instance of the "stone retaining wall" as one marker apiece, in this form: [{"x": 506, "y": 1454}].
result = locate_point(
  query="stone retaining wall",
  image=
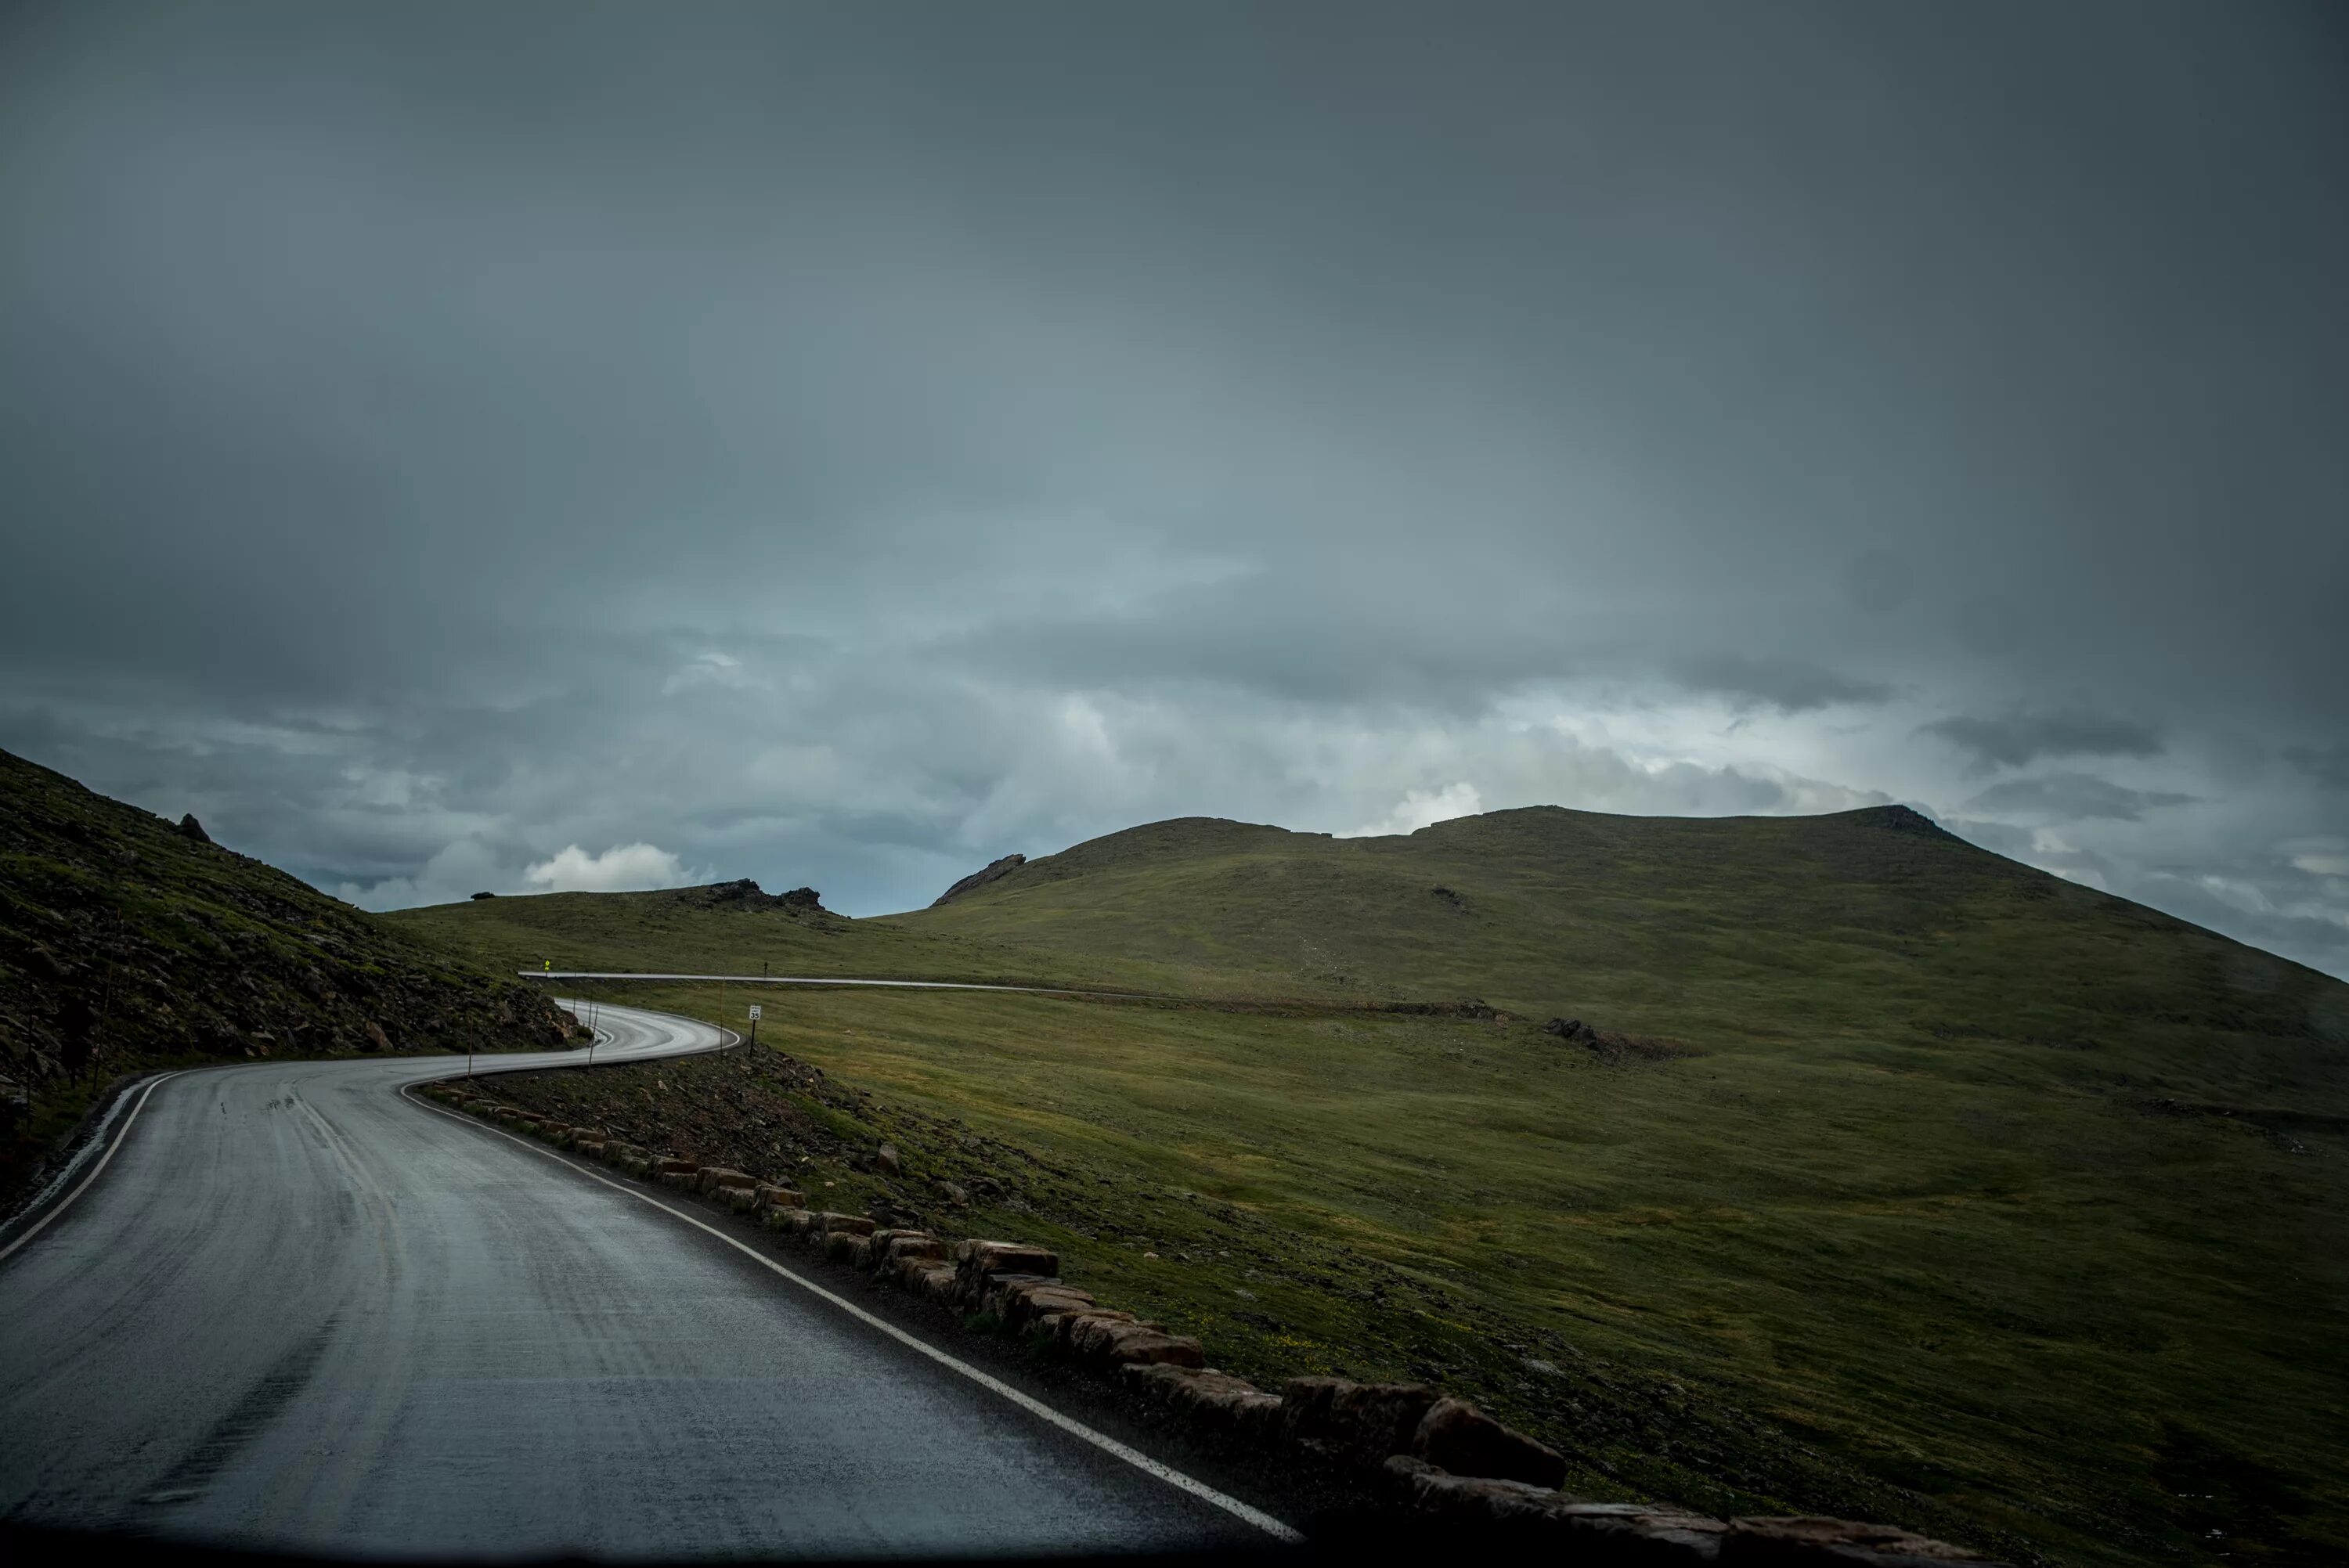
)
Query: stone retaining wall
[{"x": 1443, "y": 1458}]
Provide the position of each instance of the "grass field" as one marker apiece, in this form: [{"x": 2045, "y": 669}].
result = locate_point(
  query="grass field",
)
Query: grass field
[{"x": 1992, "y": 1206}]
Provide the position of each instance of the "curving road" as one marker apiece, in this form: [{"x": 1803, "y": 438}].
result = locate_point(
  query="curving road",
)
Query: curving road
[{"x": 296, "y": 1309}]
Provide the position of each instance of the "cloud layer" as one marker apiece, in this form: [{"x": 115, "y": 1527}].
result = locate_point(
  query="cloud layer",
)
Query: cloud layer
[{"x": 840, "y": 445}]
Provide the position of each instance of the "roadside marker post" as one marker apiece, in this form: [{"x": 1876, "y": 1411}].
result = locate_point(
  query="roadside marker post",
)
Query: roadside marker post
[{"x": 754, "y": 1022}]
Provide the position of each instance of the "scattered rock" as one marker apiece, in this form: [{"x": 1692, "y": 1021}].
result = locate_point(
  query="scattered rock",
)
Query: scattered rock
[{"x": 887, "y": 1157}]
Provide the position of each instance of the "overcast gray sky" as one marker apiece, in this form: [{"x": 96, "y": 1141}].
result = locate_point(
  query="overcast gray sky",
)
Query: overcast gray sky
[{"x": 504, "y": 447}]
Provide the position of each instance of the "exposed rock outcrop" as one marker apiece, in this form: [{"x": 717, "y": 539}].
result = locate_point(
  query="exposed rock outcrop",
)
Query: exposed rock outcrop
[
  {"x": 744, "y": 893},
  {"x": 992, "y": 871}
]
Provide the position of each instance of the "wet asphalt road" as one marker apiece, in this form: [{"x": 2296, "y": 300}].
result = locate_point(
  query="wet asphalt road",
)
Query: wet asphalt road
[{"x": 299, "y": 1311}]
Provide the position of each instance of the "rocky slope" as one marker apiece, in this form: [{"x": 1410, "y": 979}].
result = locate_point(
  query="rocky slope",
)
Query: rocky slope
[{"x": 128, "y": 941}]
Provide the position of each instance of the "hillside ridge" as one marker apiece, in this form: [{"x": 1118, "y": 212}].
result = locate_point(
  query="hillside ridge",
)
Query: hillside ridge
[{"x": 126, "y": 942}]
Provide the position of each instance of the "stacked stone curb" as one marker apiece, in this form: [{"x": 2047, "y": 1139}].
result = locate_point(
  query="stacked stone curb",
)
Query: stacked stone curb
[{"x": 1441, "y": 1457}]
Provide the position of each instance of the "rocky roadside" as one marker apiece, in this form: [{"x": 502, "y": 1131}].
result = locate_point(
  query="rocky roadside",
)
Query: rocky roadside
[{"x": 1384, "y": 1461}]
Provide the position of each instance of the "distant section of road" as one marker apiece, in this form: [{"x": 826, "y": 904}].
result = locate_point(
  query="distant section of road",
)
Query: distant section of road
[
  {"x": 297, "y": 1310},
  {"x": 812, "y": 980}
]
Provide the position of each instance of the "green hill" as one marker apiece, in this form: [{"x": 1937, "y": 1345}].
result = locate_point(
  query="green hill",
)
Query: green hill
[
  {"x": 127, "y": 943},
  {"x": 1711, "y": 929},
  {"x": 1990, "y": 1204}
]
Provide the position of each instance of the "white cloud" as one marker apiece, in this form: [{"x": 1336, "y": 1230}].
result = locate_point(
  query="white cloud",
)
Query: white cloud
[
  {"x": 711, "y": 669},
  {"x": 624, "y": 868},
  {"x": 1423, "y": 809},
  {"x": 459, "y": 869}
]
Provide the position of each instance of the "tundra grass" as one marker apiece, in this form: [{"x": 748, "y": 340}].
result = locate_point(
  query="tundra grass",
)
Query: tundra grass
[
  {"x": 1973, "y": 1291},
  {"x": 1995, "y": 1205}
]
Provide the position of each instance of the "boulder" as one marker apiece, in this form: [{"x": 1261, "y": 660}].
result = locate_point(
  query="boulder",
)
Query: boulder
[
  {"x": 1022, "y": 1303},
  {"x": 1483, "y": 1500},
  {"x": 978, "y": 1262},
  {"x": 994, "y": 1296},
  {"x": 877, "y": 1253},
  {"x": 193, "y": 830},
  {"x": 887, "y": 1157},
  {"x": 480, "y": 896},
  {"x": 1812, "y": 1541},
  {"x": 1208, "y": 1400},
  {"x": 1457, "y": 1437},
  {"x": 906, "y": 1245},
  {"x": 932, "y": 1281},
  {"x": 1363, "y": 1421},
  {"x": 373, "y": 1038},
  {"x": 1145, "y": 1343},
  {"x": 1079, "y": 1332},
  {"x": 1631, "y": 1531},
  {"x": 828, "y": 1223}
]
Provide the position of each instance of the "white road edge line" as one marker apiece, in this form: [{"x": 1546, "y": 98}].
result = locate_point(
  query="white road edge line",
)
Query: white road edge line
[
  {"x": 1034, "y": 1407},
  {"x": 121, "y": 1134}
]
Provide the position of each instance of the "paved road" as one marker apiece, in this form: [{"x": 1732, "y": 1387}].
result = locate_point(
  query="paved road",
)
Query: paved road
[{"x": 298, "y": 1310}]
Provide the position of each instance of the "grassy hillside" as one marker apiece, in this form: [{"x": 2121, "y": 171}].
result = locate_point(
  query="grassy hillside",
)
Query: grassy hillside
[
  {"x": 1712, "y": 929},
  {"x": 1993, "y": 1205},
  {"x": 125, "y": 943}
]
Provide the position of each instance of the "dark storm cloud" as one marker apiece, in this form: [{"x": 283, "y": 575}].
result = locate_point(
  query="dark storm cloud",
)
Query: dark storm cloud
[
  {"x": 2070, "y": 797},
  {"x": 2328, "y": 765},
  {"x": 1791, "y": 685},
  {"x": 844, "y": 442},
  {"x": 2018, "y": 738}
]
